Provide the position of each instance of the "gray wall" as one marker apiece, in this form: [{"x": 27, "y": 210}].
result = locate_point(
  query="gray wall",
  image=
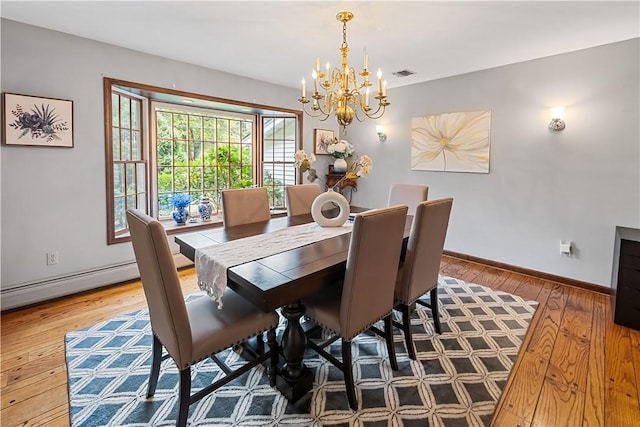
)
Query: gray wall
[
  {"x": 543, "y": 187},
  {"x": 54, "y": 199}
]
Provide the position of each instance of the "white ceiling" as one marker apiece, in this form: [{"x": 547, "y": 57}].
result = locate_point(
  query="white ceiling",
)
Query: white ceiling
[{"x": 278, "y": 41}]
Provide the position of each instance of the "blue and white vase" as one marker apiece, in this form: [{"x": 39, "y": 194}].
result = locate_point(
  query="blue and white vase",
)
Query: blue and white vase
[
  {"x": 181, "y": 216},
  {"x": 205, "y": 208}
]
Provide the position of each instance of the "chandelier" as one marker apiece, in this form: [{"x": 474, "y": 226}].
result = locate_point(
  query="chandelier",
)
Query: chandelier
[{"x": 339, "y": 92}]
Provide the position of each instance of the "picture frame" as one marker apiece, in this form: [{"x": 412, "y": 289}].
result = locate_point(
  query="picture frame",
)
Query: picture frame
[
  {"x": 321, "y": 140},
  {"x": 435, "y": 148},
  {"x": 37, "y": 121}
]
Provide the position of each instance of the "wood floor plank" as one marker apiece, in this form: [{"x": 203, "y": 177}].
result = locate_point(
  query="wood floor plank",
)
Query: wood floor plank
[
  {"x": 46, "y": 376},
  {"x": 635, "y": 353},
  {"x": 56, "y": 417},
  {"x": 517, "y": 370},
  {"x": 620, "y": 370},
  {"x": 622, "y": 408},
  {"x": 43, "y": 312},
  {"x": 491, "y": 277},
  {"x": 543, "y": 337},
  {"x": 23, "y": 391},
  {"x": 21, "y": 411},
  {"x": 525, "y": 387},
  {"x": 512, "y": 282},
  {"x": 457, "y": 268},
  {"x": 576, "y": 319},
  {"x": 528, "y": 288},
  {"x": 22, "y": 374},
  {"x": 569, "y": 361},
  {"x": 559, "y": 405},
  {"x": 595, "y": 391},
  {"x": 507, "y": 418},
  {"x": 470, "y": 272}
]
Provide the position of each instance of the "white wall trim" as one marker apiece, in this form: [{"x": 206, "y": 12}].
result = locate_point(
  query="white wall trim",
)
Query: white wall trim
[{"x": 33, "y": 292}]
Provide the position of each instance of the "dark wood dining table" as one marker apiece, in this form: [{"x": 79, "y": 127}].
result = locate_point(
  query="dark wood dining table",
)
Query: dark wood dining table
[{"x": 282, "y": 281}]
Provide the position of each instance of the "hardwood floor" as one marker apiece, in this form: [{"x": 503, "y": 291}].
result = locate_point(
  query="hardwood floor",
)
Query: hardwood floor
[{"x": 576, "y": 367}]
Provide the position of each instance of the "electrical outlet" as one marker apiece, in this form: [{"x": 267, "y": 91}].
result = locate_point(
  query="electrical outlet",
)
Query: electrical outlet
[{"x": 52, "y": 258}]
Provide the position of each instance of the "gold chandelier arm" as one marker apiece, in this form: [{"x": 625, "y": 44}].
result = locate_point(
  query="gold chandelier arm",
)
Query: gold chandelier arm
[
  {"x": 315, "y": 112},
  {"x": 366, "y": 110}
]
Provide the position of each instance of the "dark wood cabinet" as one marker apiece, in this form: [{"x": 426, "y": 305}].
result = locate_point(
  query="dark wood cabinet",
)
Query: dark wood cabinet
[{"x": 626, "y": 278}]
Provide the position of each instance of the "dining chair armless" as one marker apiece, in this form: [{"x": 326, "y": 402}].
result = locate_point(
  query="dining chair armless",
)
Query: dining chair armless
[
  {"x": 418, "y": 273},
  {"x": 245, "y": 206},
  {"x": 192, "y": 331},
  {"x": 365, "y": 296},
  {"x": 407, "y": 194},
  {"x": 299, "y": 198}
]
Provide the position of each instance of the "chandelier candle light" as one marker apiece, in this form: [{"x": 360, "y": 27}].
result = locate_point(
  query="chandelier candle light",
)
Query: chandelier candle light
[{"x": 341, "y": 92}]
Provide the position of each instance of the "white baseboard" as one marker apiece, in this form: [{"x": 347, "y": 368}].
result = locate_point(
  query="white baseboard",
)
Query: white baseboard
[{"x": 30, "y": 293}]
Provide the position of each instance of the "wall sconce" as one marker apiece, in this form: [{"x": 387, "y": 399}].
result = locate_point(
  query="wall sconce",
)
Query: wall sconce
[
  {"x": 556, "y": 119},
  {"x": 380, "y": 131}
]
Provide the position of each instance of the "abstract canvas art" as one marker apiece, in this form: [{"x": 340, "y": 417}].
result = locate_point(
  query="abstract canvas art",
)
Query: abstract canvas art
[{"x": 451, "y": 142}]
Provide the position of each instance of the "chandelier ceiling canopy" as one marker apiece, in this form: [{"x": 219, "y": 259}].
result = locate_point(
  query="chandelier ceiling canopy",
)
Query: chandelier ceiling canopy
[{"x": 339, "y": 92}]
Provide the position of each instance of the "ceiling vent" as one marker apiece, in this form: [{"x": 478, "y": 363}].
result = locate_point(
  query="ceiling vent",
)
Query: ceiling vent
[{"x": 403, "y": 73}]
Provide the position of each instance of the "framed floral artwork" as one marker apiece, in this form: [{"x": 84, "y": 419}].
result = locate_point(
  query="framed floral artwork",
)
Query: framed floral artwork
[
  {"x": 37, "y": 121},
  {"x": 322, "y": 138},
  {"x": 451, "y": 142}
]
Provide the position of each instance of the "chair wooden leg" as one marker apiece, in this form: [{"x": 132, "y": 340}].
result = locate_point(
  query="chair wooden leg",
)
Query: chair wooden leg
[
  {"x": 388, "y": 336},
  {"x": 406, "y": 330},
  {"x": 185, "y": 397},
  {"x": 348, "y": 374},
  {"x": 275, "y": 356},
  {"x": 156, "y": 358},
  {"x": 260, "y": 343},
  {"x": 433, "y": 299}
]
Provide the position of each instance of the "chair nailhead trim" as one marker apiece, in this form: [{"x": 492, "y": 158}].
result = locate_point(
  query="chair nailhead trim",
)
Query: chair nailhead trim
[{"x": 361, "y": 331}]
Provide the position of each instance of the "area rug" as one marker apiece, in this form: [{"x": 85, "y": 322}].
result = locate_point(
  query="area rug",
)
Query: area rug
[{"x": 456, "y": 381}]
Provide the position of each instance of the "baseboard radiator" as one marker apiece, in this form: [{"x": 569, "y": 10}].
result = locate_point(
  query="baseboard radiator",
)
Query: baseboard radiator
[{"x": 34, "y": 292}]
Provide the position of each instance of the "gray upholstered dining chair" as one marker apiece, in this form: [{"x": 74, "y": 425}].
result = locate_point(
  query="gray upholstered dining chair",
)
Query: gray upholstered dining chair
[
  {"x": 192, "y": 331},
  {"x": 407, "y": 194},
  {"x": 366, "y": 294},
  {"x": 299, "y": 198},
  {"x": 245, "y": 206},
  {"x": 418, "y": 273}
]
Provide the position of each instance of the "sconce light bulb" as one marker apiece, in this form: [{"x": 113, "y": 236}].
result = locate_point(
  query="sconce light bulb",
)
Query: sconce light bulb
[{"x": 557, "y": 112}]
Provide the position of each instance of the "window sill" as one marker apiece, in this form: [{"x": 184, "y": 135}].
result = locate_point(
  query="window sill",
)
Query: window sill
[{"x": 171, "y": 227}]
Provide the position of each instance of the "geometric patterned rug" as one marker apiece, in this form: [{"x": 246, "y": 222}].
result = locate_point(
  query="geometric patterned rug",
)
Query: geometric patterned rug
[{"x": 456, "y": 381}]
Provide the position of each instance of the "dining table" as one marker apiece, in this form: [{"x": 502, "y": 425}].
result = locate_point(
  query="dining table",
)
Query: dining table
[{"x": 282, "y": 281}]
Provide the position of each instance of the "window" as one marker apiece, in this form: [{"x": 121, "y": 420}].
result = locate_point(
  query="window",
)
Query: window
[
  {"x": 278, "y": 148},
  {"x": 199, "y": 152},
  {"x": 157, "y": 146},
  {"x": 128, "y": 160}
]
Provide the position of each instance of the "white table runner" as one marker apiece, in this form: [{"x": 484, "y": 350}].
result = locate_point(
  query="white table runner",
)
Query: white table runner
[{"x": 212, "y": 262}]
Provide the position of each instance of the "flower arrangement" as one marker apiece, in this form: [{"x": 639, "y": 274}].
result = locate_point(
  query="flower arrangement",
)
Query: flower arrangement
[
  {"x": 181, "y": 201},
  {"x": 360, "y": 167},
  {"x": 340, "y": 149},
  {"x": 304, "y": 161}
]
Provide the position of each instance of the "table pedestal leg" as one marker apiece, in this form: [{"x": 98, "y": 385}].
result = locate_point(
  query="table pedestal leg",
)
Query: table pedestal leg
[{"x": 295, "y": 379}]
